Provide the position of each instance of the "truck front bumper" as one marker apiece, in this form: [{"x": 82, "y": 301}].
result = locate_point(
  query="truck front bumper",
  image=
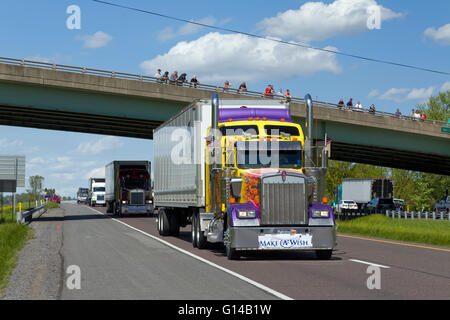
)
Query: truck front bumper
[
  {"x": 283, "y": 238},
  {"x": 137, "y": 209}
]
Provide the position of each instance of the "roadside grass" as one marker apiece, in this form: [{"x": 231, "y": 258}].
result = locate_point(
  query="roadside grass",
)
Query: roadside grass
[
  {"x": 434, "y": 232},
  {"x": 13, "y": 238},
  {"x": 51, "y": 205}
]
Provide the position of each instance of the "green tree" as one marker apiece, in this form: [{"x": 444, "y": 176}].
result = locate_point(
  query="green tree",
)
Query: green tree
[
  {"x": 36, "y": 186},
  {"x": 437, "y": 107}
]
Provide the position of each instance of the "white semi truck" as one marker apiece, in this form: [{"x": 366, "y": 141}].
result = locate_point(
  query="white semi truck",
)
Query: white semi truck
[{"x": 96, "y": 192}]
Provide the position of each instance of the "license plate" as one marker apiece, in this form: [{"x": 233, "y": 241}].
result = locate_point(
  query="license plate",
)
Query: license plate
[{"x": 285, "y": 241}]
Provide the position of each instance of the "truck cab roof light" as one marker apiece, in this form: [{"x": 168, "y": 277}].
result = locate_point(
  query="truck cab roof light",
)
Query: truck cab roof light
[
  {"x": 230, "y": 119},
  {"x": 250, "y": 118}
]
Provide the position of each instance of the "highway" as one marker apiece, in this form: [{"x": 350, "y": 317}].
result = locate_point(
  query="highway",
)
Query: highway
[{"x": 122, "y": 258}]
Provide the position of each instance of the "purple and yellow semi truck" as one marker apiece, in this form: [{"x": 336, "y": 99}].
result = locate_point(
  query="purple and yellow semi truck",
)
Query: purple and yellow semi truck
[{"x": 242, "y": 173}]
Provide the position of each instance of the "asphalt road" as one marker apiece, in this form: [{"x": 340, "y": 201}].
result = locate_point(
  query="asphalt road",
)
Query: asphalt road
[
  {"x": 408, "y": 271},
  {"x": 125, "y": 258},
  {"x": 116, "y": 262}
]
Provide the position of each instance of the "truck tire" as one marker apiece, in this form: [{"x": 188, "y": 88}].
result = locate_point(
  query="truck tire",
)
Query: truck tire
[
  {"x": 174, "y": 218},
  {"x": 231, "y": 253},
  {"x": 108, "y": 207},
  {"x": 324, "y": 254},
  {"x": 194, "y": 230},
  {"x": 163, "y": 219},
  {"x": 199, "y": 237}
]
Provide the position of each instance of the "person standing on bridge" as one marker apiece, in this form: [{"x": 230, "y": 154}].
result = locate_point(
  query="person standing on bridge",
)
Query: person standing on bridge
[
  {"x": 287, "y": 95},
  {"x": 341, "y": 104},
  {"x": 194, "y": 82},
  {"x": 226, "y": 86},
  {"x": 174, "y": 78},
  {"x": 158, "y": 75},
  {"x": 350, "y": 104},
  {"x": 165, "y": 77},
  {"x": 242, "y": 87},
  {"x": 372, "y": 109}
]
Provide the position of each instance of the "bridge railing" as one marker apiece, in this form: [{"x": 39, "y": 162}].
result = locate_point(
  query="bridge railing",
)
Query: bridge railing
[{"x": 208, "y": 87}]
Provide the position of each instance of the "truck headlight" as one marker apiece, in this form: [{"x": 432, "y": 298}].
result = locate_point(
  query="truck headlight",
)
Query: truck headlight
[
  {"x": 149, "y": 201},
  {"x": 320, "y": 214},
  {"x": 124, "y": 202},
  {"x": 247, "y": 214}
]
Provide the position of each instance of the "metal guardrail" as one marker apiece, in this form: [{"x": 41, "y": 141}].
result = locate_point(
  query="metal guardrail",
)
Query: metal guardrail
[
  {"x": 213, "y": 88},
  {"x": 396, "y": 214},
  {"x": 26, "y": 216}
]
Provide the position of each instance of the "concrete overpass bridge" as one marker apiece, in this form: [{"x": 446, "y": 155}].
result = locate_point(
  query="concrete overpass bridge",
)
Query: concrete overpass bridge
[{"x": 49, "y": 96}]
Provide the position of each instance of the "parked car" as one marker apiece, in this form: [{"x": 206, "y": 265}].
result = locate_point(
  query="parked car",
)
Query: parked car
[
  {"x": 56, "y": 199},
  {"x": 443, "y": 205},
  {"x": 380, "y": 205},
  {"x": 399, "y": 204},
  {"x": 346, "y": 206}
]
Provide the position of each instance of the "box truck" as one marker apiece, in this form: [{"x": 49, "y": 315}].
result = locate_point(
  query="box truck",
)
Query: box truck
[
  {"x": 96, "y": 195},
  {"x": 363, "y": 190},
  {"x": 241, "y": 173},
  {"x": 128, "y": 188}
]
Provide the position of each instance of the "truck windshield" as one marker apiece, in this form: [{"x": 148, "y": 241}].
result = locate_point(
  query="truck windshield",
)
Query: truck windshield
[
  {"x": 278, "y": 130},
  {"x": 270, "y": 159},
  {"x": 239, "y": 130},
  {"x": 135, "y": 179},
  {"x": 99, "y": 189}
]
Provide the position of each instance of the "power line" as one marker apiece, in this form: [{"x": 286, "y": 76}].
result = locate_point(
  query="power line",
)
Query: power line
[{"x": 271, "y": 39}]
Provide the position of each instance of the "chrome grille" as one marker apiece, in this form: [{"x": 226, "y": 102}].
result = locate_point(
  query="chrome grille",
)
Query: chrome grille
[
  {"x": 101, "y": 197},
  {"x": 283, "y": 202},
  {"x": 137, "y": 198}
]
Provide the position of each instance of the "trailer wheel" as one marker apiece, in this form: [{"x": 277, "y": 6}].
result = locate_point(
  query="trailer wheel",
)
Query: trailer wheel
[
  {"x": 200, "y": 238},
  {"x": 165, "y": 224},
  {"x": 194, "y": 230},
  {"x": 174, "y": 218},
  {"x": 324, "y": 254}
]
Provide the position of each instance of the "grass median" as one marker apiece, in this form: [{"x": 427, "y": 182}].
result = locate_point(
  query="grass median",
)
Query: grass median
[
  {"x": 434, "y": 232},
  {"x": 13, "y": 238}
]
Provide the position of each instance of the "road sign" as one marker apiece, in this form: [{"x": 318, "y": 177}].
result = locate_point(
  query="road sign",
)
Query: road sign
[
  {"x": 445, "y": 129},
  {"x": 12, "y": 173}
]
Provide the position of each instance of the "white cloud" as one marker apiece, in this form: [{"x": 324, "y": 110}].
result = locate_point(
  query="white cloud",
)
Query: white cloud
[
  {"x": 5, "y": 143},
  {"x": 317, "y": 21},
  {"x": 445, "y": 87},
  {"x": 95, "y": 173},
  {"x": 441, "y": 35},
  {"x": 97, "y": 40},
  {"x": 373, "y": 93},
  {"x": 404, "y": 94},
  {"x": 99, "y": 146},
  {"x": 236, "y": 57},
  {"x": 64, "y": 176},
  {"x": 188, "y": 28}
]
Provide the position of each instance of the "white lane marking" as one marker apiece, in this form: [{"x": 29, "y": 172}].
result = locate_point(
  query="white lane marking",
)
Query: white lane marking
[
  {"x": 370, "y": 263},
  {"x": 237, "y": 275}
]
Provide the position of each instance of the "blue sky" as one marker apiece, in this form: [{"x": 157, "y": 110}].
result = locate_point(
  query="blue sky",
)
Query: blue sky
[{"x": 412, "y": 32}]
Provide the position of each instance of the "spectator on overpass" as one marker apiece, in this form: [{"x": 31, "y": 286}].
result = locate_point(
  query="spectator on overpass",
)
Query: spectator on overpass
[
  {"x": 423, "y": 116},
  {"x": 287, "y": 95},
  {"x": 350, "y": 104},
  {"x": 194, "y": 82},
  {"x": 174, "y": 77},
  {"x": 398, "y": 114},
  {"x": 158, "y": 75},
  {"x": 226, "y": 86},
  {"x": 269, "y": 91},
  {"x": 372, "y": 109},
  {"x": 341, "y": 104},
  {"x": 417, "y": 115},
  {"x": 358, "y": 107},
  {"x": 412, "y": 114},
  {"x": 165, "y": 77},
  {"x": 182, "y": 79},
  {"x": 242, "y": 87}
]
